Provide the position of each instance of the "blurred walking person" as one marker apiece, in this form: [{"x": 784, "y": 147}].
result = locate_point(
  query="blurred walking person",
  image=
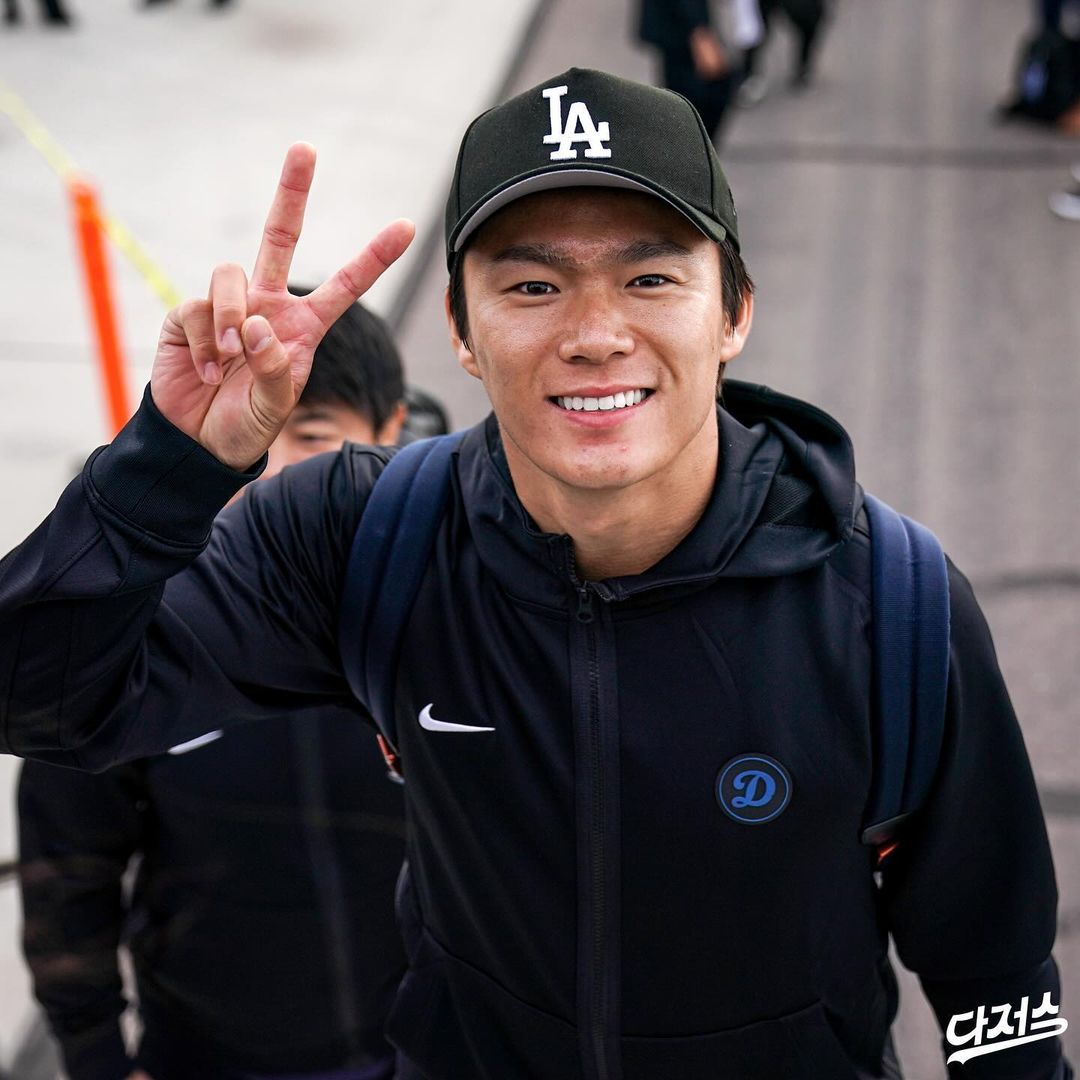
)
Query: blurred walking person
[
  {"x": 52, "y": 12},
  {"x": 694, "y": 60},
  {"x": 807, "y": 18}
]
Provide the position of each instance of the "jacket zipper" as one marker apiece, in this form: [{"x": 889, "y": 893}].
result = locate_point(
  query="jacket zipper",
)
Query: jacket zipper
[
  {"x": 595, "y": 1017},
  {"x": 597, "y": 1032}
]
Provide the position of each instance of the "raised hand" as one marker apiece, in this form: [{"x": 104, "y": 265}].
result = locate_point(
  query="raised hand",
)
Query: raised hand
[{"x": 229, "y": 369}]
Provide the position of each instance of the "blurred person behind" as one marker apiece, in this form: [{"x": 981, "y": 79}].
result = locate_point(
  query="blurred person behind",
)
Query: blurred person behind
[
  {"x": 807, "y": 19},
  {"x": 694, "y": 61},
  {"x": 259, "y": 914},
  {"x": 209, "y": 3},
  {"x": 52, "y": 12},
  {"x": 1046, "y": 79}
]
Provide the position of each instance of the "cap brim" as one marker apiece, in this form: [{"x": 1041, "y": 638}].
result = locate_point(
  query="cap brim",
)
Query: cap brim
[{"x": 564, "y": 178}]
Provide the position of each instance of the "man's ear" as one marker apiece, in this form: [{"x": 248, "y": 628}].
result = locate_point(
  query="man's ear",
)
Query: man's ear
[
  {"x": 461, "y": 347},
  {"x": 390, "y": 432},
  {"x": 735, "y": 336}
]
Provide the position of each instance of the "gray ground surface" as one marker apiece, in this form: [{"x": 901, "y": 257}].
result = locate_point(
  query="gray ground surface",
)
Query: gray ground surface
[{"x": 910, "y": 281}]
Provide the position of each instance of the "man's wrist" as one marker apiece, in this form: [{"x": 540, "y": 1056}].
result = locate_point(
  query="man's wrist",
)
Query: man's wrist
[{"x": 162, "y": 481}]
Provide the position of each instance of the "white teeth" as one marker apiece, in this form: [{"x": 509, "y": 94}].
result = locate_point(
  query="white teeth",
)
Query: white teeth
[{"x": 624, "y": 399}]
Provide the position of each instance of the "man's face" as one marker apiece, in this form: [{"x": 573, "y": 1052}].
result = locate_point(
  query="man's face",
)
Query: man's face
[
  {"x": 590, "y": 298},
  {"x": 315, "y": 429}
]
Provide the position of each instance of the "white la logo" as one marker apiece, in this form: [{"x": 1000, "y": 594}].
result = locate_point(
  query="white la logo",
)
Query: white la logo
[{"x": 579, "y": 127}]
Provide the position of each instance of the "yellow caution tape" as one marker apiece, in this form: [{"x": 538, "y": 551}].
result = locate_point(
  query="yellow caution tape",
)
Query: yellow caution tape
[{"x": 36, "y": 134}]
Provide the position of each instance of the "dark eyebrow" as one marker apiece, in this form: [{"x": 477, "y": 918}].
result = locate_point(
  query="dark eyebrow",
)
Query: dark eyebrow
[
  {"x": 546, "y": 255},
  {"x": 535, "y": 253},
  {"x": 643, "y": 250}
]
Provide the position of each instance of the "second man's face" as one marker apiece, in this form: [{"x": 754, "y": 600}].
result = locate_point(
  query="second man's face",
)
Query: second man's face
[
  {"x": 315, "y": 429},
  {"x": 596, "y": 324}
]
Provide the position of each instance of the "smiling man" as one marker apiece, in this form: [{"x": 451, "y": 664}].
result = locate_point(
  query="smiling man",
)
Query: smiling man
[{"x": 633, "y": 699}]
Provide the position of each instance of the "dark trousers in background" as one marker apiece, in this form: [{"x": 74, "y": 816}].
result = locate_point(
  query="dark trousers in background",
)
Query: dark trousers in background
[
  {"x": 806, "y": 16},
  {"x": 51, "y": 11}
]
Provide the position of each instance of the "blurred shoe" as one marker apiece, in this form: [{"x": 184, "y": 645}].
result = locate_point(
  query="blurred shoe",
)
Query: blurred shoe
[
  {"x": 1075, "y": 170},
  {"x": 1066, "y": 204},
  {"x": 753, "y": 91}
]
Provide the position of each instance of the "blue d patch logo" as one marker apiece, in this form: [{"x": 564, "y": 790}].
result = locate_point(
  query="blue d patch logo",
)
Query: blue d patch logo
[{"x": 753, "y": 788}]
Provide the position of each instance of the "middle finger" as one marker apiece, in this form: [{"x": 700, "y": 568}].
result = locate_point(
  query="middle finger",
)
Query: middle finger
[{"x": 228, "y": 299}]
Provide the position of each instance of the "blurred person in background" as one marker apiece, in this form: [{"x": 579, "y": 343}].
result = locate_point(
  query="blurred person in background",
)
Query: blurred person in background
[
  {"x": 1046, "y": 78},
  {"x": 807, "y": 18},
  {"x": 694, "y": 61},
  {"x": 52, "y": 12},
  {"x": 259, "y": 914},
  {"x": 209, "y": 3}
]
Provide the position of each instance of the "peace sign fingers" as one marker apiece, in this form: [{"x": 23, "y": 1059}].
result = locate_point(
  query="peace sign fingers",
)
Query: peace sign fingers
[{"x": 285, "y": 220}]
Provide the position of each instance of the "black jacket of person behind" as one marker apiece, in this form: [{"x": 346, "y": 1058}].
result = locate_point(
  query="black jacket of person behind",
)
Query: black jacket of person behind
[
  {"x": 668, "y": 23},
  {"x": 261, "y": 922},
  {"x": 588, "y": 896}
]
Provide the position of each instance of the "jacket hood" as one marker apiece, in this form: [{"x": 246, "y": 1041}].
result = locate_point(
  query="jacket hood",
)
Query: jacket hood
[{"x": 785, "y": 496}]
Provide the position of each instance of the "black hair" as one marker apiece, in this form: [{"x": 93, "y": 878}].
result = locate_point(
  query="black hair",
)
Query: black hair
[
  {"x": 357, "y": 365},
  {"x": 735, "y": 279}
]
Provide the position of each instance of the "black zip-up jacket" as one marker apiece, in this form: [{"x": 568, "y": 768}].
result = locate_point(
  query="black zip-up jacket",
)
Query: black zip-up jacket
[
  {"x": 261, "y": 921},
  {"x": 580, "y": 903}
]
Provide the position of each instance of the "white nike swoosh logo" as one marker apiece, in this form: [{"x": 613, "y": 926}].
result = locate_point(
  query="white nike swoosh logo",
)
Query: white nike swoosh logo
[
  {"x": 429, "y": 723},
  {"x": 194, "y": 744}
]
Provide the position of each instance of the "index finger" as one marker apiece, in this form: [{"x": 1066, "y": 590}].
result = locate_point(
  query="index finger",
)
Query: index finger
[{"x": 285, "y": 220}]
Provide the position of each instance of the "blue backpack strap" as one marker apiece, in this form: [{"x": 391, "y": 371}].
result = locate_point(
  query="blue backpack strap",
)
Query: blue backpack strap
[
  {"x": 910, "y": 667},
  {"x": 390, "y": 553}
]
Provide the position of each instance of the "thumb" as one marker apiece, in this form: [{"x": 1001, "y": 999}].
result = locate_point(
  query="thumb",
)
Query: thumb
[{"x": 272, "y": 392}]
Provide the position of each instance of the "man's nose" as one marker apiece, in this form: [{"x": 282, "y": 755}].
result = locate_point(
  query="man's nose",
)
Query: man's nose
[{"x": 596, "y": 329}]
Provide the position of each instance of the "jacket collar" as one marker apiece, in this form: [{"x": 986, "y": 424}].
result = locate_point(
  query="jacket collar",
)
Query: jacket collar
[{"x": 783, "y": 499}]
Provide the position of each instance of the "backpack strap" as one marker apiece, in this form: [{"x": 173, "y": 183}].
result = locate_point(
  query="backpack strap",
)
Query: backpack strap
[
  {"x": 910, "y": 668},
  {"x": 390, "y": 553}
]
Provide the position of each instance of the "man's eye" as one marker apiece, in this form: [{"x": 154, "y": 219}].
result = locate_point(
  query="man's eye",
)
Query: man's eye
[
  {"x": 535, "y": 288},
  {"x": 311, "y": 437},
  {"x": 650, "y": 281}
]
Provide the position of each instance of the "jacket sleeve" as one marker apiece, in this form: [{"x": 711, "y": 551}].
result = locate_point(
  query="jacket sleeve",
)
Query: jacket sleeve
[
  {"x": 969, "y": 893},
  {"x": 77, "y": 833},
  {"x": 130, "y": 621}
]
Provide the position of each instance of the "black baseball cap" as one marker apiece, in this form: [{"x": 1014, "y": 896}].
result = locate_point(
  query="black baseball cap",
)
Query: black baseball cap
[{"x": 587, "y": 128}]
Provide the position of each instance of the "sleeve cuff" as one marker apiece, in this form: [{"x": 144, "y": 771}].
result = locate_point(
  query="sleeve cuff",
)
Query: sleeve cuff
[{"x": 162, "y": 481}]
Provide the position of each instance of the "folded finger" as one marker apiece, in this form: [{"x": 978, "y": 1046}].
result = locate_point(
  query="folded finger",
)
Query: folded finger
[
  {"x": 196, "y": 321},
  {"x": 272, "y": 391},
  {"x": 354, "y": 279},
  {"x": 285, "y": 220},
  {"x": 228, "y": 299}
]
